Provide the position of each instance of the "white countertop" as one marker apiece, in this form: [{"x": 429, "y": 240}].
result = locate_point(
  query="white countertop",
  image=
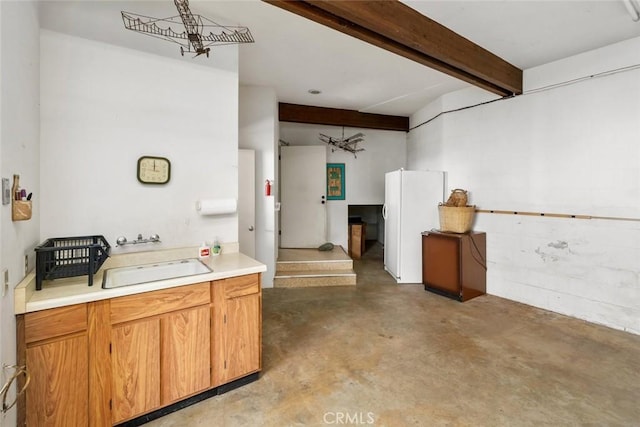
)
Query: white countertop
[{"x": 75, "y": 290}]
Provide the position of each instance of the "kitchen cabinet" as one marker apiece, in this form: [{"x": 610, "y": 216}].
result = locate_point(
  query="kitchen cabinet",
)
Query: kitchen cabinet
[
  {"x": 454, "y": 264},
  {"x": 159, "y": 361},
  {"x": 135, "y": 358},
  {"x": 236, "y": 332},
  {"x": 110, "y": 361},
  {"x": 186, "y": 353},
  {"x": 54, "y": 344},
  {"x": 160, "y": 348}
]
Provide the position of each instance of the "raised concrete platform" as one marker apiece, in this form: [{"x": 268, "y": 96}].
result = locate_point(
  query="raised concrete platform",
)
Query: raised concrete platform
[{"x": 311, "y": 267}]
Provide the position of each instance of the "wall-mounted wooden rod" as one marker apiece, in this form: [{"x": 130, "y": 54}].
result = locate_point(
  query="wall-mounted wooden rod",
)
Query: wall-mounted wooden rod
[{"x": 556, "y": 215}]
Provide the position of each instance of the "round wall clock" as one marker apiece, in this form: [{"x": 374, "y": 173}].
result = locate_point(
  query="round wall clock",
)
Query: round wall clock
[{"x": 154, "y": 170}]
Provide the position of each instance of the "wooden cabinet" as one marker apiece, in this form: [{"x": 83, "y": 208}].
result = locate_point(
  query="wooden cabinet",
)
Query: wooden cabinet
[
  {"x": 59, "y": 389},
  {"x": 454, "y": 264},
  {"x": 159, "y": 361},
  {"x": 135, "y": 359},
  {"x": 54, "y": 344},
  {"x": 242, "y": 337},
  {"x": 110, "y": 361},
  {"x": 357, "y": 239},
  {"x": 186, "y": 353},
  {"x": 161, "y": 353},
  {"x": 237, "y": 338}
]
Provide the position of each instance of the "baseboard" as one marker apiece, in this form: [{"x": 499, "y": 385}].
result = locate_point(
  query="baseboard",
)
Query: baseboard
[{"x": 143, "y": 419}]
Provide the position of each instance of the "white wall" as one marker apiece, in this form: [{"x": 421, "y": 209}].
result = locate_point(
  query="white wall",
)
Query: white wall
[
  {"x": 258, "y": 122},
  {"x": 19, "y": 132},
  {"x": 102, "y": 107},
  {"x": 385, "y": 151},
  {"x": 572, "y": 149}
]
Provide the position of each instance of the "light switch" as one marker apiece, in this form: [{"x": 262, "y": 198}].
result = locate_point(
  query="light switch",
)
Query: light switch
[
  {"x": 6, "y": 191},
  {"x": 5, "y": 279}
]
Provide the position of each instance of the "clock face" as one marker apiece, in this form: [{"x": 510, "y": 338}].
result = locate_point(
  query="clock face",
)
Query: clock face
[{"x": 154, "y": 170}]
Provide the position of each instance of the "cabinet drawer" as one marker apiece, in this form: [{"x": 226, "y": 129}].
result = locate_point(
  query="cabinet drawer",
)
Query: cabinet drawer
[
  {"x": 55, "y": 322},
  {"x": 148, "y": 304},
  {"x": 240, "y": 286}
]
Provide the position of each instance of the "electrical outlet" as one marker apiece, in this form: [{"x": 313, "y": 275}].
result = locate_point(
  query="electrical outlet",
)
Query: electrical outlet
[
  {"x": 26, "y": 264},
  {"x": 5, "y": 286}
]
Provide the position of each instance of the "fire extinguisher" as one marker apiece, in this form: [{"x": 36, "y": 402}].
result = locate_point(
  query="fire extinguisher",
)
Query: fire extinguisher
[{"x": 267, "y": 188}]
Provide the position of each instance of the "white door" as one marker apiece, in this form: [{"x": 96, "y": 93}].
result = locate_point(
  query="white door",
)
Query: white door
[
  {"x": 247, "y": 202},
  {"x": 303, "y": 186}
]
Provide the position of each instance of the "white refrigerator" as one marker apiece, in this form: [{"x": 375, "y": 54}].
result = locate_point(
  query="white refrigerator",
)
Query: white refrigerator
[{"x": 410, "y": 207}]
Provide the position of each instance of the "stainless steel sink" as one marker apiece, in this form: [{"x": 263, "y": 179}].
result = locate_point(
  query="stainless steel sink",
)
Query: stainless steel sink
[{"x": 137, "y": 274}]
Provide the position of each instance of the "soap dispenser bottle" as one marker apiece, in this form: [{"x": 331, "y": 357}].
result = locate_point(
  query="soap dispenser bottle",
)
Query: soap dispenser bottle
[
  {"x": 215, "y": 250},
  {"x": 204, "y": 251}
]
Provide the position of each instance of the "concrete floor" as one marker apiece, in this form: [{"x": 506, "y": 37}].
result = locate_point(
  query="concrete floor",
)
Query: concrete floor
[{"x": 394, "y": 355}]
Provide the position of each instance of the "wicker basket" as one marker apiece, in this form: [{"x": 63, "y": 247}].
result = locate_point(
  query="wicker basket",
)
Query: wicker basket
[{"x": 456, "y": 219}]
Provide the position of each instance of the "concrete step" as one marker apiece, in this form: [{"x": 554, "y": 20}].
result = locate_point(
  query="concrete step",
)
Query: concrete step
[
  {"x": 312, "y": 260},
  {"x": 313, "y": 278},
  {"x": 314, "y": 265}
]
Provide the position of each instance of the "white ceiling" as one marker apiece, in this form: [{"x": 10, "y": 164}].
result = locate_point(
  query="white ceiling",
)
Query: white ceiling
[{"x": 293, "y": 54}]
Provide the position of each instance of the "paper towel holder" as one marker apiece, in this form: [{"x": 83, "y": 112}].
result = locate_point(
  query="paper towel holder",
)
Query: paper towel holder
[{"x": 216, "y": 206}]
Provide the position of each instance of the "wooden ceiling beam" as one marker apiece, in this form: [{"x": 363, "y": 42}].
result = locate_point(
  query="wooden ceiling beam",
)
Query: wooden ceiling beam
[
  {"x": 396, "y": 27},
  {"x": 339, "y": 117}
]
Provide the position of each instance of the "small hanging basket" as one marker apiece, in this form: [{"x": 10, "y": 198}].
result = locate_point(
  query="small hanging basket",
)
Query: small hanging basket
[{"x": 456, "y": 219}]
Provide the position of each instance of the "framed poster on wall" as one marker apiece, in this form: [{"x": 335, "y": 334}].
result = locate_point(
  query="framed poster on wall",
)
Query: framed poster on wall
[{"x": 335, "y": 181}]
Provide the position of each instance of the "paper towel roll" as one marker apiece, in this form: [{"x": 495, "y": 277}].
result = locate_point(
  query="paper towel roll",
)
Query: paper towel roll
[{"x": 216, "y": 207}]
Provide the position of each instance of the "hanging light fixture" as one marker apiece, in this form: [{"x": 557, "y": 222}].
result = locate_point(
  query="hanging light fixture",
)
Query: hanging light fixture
[
  {"x": 349, "y": 144},
  {"x": 194, "y": 38}
]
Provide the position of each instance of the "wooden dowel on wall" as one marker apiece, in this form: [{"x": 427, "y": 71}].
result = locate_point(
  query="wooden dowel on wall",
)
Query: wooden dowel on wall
[{"x": 555, "y": 215}]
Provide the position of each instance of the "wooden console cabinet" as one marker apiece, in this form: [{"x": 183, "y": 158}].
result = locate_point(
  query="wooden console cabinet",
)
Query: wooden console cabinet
[
  {"x": 106, "y": 362},
  {"x": 454, "y": 264},
  {"x": 357, "y": 239}
]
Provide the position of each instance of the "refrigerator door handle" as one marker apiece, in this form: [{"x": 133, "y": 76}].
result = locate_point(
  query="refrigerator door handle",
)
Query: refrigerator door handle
[{"x": 384, "y": 211}]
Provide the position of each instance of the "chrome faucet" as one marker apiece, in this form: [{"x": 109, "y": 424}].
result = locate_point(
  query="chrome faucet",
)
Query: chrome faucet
[{"x": 154, "y": 238}]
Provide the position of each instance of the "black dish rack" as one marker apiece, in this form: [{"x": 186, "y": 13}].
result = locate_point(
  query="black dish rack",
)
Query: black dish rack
[{"x": 70, "y": 256}]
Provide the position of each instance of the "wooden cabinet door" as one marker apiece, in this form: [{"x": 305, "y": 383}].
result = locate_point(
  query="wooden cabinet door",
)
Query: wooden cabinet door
[
  {"x": 58, "y": 392},
  {"x": 186, "y": 353},
  {"x": 135, "y": 357},
  {"x": 236, "y": 329},
  {"x": 441, "y": 262},
  {"x": 242, "y": 353}
]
